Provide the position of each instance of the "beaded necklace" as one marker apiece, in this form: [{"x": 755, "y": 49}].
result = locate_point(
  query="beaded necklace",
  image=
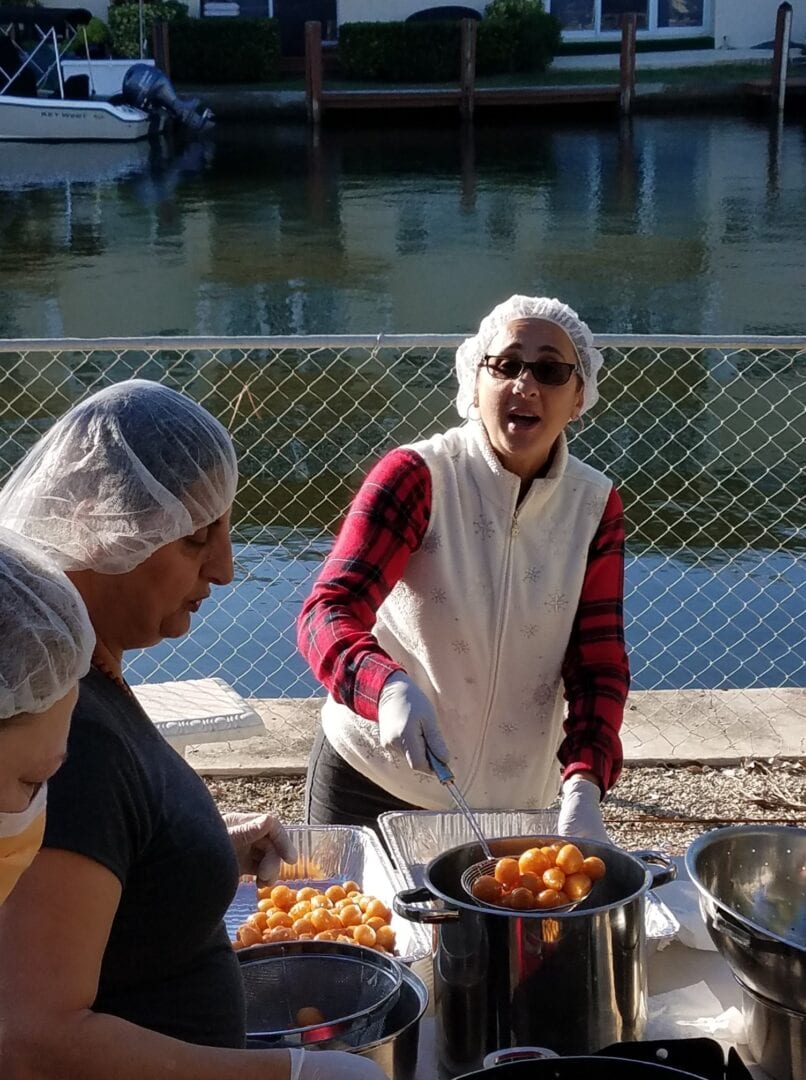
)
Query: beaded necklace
[{"x": 100, "y": 664}]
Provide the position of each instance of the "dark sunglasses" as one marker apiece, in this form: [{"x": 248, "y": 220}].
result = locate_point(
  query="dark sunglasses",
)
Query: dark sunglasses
[{"x": 545, "y": 372}]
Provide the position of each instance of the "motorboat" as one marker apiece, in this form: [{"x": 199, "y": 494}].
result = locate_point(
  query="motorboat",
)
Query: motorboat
[{"x": 39, "y": 104}]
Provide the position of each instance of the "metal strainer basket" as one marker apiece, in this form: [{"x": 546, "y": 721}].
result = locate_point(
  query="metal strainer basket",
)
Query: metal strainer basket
[
  {"x": 352, "y": 987},
  {"x": 487, "y": 866}
]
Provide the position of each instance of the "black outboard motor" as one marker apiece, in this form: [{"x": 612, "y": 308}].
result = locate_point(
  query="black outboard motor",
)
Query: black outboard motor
[{"x": 147, "y": 87}]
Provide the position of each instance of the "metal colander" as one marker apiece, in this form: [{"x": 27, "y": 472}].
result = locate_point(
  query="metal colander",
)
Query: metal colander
[
  {"x": 487, "y": 866},
  {"x": 352, "y": 987}
]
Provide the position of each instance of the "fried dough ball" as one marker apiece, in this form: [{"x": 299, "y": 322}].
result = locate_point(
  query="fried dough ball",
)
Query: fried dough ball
[
  {"x": 282, "y": 897},
  {"x": 385, "y": 938},
  {"x": 521, "y": 899},
  {"x": 551, "y": 876},
  {"x": 364, "y": 935},
  {"x": 308, "y": 1015},
  {"x": 507, "y": 872},
  {"x": 487, "y": 889},
  {"x": 570, "y": 859},
  {"x": 336, "y": 913},
  {"x": 577, "y": 886},
  {"x": 594, "y": 867},
  {"x": 534, "y": 861},
  {"x": 554, "y": 878},
  {"x": 532, "y": 882}
]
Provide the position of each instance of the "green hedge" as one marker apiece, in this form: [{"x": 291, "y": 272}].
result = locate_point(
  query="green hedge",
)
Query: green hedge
[
  {"x": 399, "y": 51},
  {"x": 124, "y": 24},
  {"x": 515, "y": 35},
  {"x": 225, "y": 50}
]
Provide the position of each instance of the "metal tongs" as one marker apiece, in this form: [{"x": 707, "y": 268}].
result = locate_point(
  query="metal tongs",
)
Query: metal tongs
[{"x": 446, "y": 778}]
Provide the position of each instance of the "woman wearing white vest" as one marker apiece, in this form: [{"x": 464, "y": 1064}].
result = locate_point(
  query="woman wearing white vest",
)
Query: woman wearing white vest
[{"x": 475, "y": 584}]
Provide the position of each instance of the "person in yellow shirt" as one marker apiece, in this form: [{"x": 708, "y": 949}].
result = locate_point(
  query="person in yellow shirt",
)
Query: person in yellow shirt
[{"x": 46, "y": 642}]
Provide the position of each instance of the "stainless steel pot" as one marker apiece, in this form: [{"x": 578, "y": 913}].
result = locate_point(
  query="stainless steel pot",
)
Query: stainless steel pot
[
  {"x": 572, "y": 982},
  {"x": 776, "y": 1036},
  {"x": 397, "y": 1048}
]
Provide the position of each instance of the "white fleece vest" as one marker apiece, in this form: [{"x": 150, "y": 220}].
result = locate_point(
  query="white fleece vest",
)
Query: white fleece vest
[{"x": 481, "y": 621}]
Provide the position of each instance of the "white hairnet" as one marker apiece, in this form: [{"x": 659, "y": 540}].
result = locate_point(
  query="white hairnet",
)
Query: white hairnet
[
  {"x": 46, "y": 632},
  {"x": 132, "y": 468},
  {"x": 471, "y": 352}
]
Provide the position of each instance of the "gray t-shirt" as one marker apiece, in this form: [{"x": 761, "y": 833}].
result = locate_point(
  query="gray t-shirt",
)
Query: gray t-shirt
[{"x": 127, "y": 800}]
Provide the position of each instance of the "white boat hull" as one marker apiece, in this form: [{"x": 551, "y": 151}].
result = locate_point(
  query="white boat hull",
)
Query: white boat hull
[{"x": 55, "y": 120}]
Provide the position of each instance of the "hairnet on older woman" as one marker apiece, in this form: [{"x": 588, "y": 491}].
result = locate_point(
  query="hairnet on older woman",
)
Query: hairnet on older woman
[
  {"x": 130, "y": 469},
  {"x": 470, "y": 354},
  {"x": 44, "y": 624}
]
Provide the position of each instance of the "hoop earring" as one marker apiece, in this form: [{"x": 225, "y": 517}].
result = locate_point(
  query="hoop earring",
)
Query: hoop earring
[
  {"x": 470, "y": 414},
  {"x": 579, "y": 419}
]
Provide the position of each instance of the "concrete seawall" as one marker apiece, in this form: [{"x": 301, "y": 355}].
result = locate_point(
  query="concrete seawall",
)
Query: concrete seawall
[{"x": 715, "y": 727}]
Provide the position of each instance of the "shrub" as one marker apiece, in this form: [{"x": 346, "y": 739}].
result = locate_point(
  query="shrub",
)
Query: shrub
[
  {"x": 516, "y": 35},
  {"x": 400, "y": 51},
  {"x": 224, "y": 50},
  {"x": 124, "y": 23},
  {"x": 99, "y": 38}
]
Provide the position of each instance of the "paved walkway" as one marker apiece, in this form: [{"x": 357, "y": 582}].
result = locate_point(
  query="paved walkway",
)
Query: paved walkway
[
  {"x": 717, "y": 727},
  {"x": 671, "y": 59}
]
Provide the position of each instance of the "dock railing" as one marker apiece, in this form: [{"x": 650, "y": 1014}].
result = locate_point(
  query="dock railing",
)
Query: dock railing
[
  {"x": 466, "y": 96},
  {"x": 704, "y": 437}
]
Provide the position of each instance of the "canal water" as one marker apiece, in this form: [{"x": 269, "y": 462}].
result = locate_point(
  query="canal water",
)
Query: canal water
[{"x": 668, "y": 225}]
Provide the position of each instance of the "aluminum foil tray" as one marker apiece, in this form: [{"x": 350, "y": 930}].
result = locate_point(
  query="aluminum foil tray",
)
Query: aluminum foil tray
[
  {"x": 415, "y": 837},
  {"x": 331, "y": 854}
]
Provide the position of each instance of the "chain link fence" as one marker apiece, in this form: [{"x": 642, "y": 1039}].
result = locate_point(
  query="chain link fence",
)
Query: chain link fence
[{"x": 704, "y": 437}]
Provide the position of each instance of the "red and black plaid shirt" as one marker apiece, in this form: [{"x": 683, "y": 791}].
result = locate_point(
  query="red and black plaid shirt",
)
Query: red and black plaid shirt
[{"x": 384, "y": 525}]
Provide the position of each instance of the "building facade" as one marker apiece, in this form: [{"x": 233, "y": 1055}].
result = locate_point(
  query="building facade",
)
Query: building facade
[{"x": 733, "y": 24}]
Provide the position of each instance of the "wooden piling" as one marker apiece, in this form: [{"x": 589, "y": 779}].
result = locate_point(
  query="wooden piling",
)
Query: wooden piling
[
  {"x": 313, "y": 71},
  {"x": 627, "y": 64},
  {"x": 780, "y": 56},
  {"x": 467, "y": 67},
  {"x": 160, "y": 46}
]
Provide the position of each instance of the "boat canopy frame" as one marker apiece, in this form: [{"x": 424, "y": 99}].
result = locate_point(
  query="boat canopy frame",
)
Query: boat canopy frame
[{"x": 29, "y": 59}]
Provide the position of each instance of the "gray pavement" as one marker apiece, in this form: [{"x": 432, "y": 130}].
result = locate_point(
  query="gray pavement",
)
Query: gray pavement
[
  {"x": 683, "y": 58},
  {"x": 715, "y": 727}
]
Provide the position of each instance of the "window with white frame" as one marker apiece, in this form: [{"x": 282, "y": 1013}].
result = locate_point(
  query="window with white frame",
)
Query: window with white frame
[
  {"x": 592, "y": 17},
  {"x": 612, "y": 11},
  {"x": 681, "y": 13},
  {"x": 575, "y": 14}
]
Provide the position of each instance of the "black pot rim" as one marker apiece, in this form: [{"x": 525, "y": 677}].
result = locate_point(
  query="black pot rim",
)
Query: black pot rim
[
  {"x": 524, "y": 1068},
  {"x": 580, "y": 912}
]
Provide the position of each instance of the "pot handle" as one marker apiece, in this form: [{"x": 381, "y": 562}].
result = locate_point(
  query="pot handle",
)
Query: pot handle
[
  {"x": 661, "y": 867},
  {"x": 731, "y": 930},
  {"x": 404, "y": 905},
  {"x": 757, "y": 942},
  {"x": 518, "y": 1053}
]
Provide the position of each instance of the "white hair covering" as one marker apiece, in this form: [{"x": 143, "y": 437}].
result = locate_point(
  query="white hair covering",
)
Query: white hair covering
[
  {"x": 46, "y": 632},
  {"x": 124, "y": 472},
  {"x": 470, "y": 353}
]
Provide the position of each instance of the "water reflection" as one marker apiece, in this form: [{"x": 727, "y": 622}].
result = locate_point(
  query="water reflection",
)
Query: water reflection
[
  {"x": 659, "y": 225},
  {"x": 692, "y": 224}
]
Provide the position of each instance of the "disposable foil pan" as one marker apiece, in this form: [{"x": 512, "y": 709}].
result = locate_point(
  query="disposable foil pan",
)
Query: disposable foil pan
[
  {"x": 329, "y": 855},
  {"x": 415, "y": 837}
]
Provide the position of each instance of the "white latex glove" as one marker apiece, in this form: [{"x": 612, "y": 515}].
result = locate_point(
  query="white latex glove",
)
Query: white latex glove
[
  {"x": 407, "y": 722},
  {"x": 261, "y": 844},
  {"x": 581, "y": 811},
  {"x": 332, "y": 1065}
]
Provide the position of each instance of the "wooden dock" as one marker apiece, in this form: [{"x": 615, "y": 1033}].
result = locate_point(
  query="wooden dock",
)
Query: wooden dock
[
  {"x": 466, "y": 97},
  {"x": 764, "y": 89},
  {"x": 512, "y": 97},
  {"x": 774, "y": 91}
]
